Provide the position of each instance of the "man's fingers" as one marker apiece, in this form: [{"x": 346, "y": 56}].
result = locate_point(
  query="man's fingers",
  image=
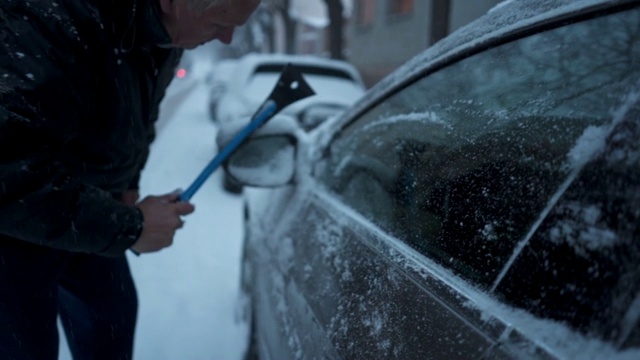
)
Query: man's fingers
[
  {"x": 184, "y": 208},
  {"x": 170, "y": 198}
]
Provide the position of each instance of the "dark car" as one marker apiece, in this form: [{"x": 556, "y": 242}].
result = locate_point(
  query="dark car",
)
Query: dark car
[{"x": 482, "y": 202}]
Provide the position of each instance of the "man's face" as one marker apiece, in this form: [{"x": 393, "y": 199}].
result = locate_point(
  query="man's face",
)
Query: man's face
[{"x": 189, "y": 29}]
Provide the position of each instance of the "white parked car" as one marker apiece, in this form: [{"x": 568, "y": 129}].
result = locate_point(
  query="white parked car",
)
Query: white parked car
[
  {"x": 250, "y": 80},
  {"x": 337, "y": 84}
]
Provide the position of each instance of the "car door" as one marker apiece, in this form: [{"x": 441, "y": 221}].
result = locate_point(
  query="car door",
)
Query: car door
[{"x": 421, "y": 205}]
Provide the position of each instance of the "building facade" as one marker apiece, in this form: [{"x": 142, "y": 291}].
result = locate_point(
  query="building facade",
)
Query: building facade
[{"x": 383, "y": 34}]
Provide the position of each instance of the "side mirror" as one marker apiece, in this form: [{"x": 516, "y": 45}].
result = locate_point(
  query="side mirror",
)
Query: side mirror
[
  {"x": 263, "y": 161},
  {"x": 267, "y": 158},
  {"x": 314, "y": 115}
]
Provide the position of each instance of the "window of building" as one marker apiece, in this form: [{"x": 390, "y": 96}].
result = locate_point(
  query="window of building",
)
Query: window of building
[{"x": 400, "y": 7}]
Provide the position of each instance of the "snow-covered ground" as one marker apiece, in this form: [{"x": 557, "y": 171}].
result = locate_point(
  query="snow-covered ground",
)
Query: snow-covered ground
[{"x": 188, "y": 293}]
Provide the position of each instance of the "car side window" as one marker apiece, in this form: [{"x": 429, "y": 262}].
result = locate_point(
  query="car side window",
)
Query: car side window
[
  {"x": 462, "y": 163},
  {"x": 582, "y": 264}
]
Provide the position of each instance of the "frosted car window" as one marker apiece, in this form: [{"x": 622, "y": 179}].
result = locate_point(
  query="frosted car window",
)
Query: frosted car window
[
  {"x": 461, "y": 164},
  {"x": 582, "y": 265}
]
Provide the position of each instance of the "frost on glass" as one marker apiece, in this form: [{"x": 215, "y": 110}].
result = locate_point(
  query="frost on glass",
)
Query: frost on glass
[{"x": 583, "y": 262}]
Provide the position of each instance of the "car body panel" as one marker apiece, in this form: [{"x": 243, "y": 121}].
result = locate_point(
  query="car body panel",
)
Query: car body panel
[{"x": 357, "y": 294}]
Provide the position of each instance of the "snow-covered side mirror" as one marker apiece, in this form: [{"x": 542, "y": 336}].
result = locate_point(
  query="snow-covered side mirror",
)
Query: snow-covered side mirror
[
  {"x": 263, "y": 161},
  {"x": 267, "y": 158}
]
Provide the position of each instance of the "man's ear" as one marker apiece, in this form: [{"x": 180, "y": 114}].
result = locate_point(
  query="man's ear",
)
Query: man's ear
[{"x": 165, "y": 5}]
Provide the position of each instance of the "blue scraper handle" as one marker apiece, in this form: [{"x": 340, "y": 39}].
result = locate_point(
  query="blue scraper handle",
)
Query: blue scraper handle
[
  {"x": 291, "y": 87},
  {"x": 268, "y": 109}
]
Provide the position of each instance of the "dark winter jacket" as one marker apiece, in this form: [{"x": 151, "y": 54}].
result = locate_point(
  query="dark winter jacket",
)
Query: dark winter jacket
[{"x": 80, "y": 86}]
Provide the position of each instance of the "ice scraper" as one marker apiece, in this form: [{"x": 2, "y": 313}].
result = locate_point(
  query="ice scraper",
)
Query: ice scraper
[{"x": 290, "y": 88}]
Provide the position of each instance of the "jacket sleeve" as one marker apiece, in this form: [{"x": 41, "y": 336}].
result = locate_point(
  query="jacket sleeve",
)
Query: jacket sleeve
[{"x": 40, "y": 202}]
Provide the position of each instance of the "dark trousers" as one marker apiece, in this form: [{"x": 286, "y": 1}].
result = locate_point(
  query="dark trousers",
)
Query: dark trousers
[{"x": 94, "y": 296}]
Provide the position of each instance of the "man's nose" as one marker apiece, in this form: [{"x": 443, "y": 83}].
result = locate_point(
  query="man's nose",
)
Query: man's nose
[{"x": 226, "y": 35}]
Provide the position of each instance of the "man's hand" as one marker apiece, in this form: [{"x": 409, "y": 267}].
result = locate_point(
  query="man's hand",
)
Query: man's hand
[{"x": 161, "y": 220}]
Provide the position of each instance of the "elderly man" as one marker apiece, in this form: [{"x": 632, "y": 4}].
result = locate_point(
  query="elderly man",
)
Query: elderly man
[{"x": 80, "y": 86}]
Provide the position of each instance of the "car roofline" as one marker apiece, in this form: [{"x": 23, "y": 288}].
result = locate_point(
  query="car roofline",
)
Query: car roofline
[{"x": 453, "y": 48}]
